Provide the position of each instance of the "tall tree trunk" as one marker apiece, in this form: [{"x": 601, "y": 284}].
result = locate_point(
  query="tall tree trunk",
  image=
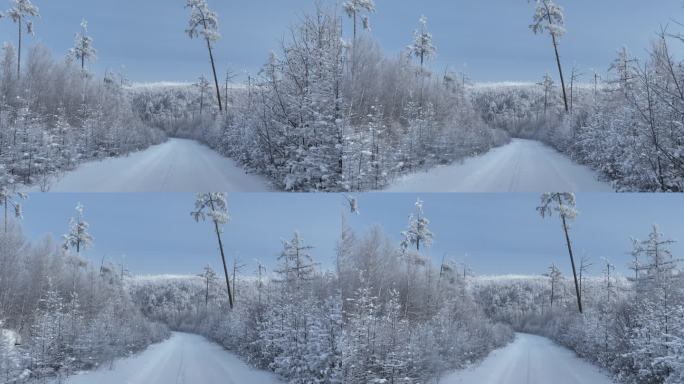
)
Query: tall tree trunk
[
  {"x": 572, "y": 259},
  {"x": 560, "y": 72},
  {"x": 223, "y": 258},
  {"x": 19, "y": 52},
  {"x": 213, "y": 69}
]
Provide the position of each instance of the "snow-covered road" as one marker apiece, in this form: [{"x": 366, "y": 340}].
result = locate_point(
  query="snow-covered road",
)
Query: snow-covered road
[
  {"x": 530, "y": 360},
  {"x": 177, "y": 165},
  {"x": 521, "y": 166},
  {"x": 184, "y": 358}
]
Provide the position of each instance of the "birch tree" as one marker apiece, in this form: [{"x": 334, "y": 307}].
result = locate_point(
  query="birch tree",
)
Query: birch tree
[
  {"x": 549, "y": 17},
  {"x": 215, "y": 207},
  {"x": 204, "y": 24}
]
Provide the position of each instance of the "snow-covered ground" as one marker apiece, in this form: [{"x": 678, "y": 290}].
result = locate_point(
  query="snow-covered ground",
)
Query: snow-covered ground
[
  {"x": 175, "y": 166},
  {"x": 530, "y": 360},
  {"x": 184, "y": 358},
  {"x": 521, "y": 166}
]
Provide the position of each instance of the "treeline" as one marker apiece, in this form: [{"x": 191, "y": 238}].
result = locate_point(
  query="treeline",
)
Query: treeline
[
  {"x": 59, "y": 314},
  {"x": 55, "y": 114},
  {"x": 387, "y": 314},
  {"x": 632, "y": 326}
]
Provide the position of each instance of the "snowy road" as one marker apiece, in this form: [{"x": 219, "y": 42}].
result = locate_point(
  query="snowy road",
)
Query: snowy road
[
  {"x": 530, "y": 360},
  {"x": 521, "y": 166},
  {"x": 184, "y": 358},
  {"x": 175, "y": 166}
]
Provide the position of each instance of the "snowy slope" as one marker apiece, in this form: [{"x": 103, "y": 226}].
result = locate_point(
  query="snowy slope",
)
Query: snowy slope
[
  {"x": 530, "y": 360},
  {"x": 521, "y": 166},
  {"x": 184, "y": 358},
  {"x": 175, "y": 166}
]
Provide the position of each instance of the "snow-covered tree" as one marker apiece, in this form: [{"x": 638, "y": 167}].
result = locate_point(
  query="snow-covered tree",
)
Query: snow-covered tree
[
  {"x": 78, "y": 236},
  {"x": 203, "y": 87},
  {"x": 215, "y": 207},
  {"x": 563, "y": 204},
  {"x": 555, "y": 277},
  {"x": 547, "y": 84},
  {"x": 423, "y": 47},
  {"x": 417, "y": 233},
  {"x": 83, "y": 46},
  {"x": 355, "y": 9},
  {"x": 549, "y": 18},
  {"x": 8, "y": 199},
  {"x": 21, "y": 13},
  {"x": 204, "y": 24}
]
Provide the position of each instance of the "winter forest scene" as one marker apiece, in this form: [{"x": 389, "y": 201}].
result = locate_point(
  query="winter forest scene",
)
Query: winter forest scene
[
  {"x": 341, "y": 192},
  {"x": 217, "y": 288},
  {"x": 341, "y": 96}
]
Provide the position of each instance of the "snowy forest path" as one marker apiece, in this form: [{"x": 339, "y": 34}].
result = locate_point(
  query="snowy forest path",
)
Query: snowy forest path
[
  {"x": 521, "y": 166},
  {"x": 530, "y": 360},
  {"x": 184, "y": 358},
  {"x": 178, "y": 165}
]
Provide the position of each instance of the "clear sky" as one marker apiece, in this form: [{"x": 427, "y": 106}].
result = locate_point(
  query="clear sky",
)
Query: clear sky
[
  {"x": 491, "y": 38},
  {"x": 501, "y": 234}
]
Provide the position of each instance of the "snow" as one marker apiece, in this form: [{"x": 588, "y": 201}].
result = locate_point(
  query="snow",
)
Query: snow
[
  {"x": 530, "y": 360},
  {"x": 175, "y": 166},
  {"x": 521, "y": 166},
  {"x": 184, "y": 358}
]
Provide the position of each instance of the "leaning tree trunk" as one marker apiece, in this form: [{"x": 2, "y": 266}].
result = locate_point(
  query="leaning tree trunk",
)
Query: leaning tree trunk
[
  {"x": 572, "y": 260},
  {"x": 223, "y": 258},
  {"x": 213, "y": 69},
  {"x": 560, "y": 72}
]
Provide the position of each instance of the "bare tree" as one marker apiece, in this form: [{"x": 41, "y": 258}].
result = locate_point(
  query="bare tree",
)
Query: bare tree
[
  {"x": 585, "y": 264},
  {"x": 574, "y": 77},
  {"x": 549, "y": 18},
  {"x": 204, "y": 23},
  {"x": 214, "y": 206},
  {"x": 555, "y": 276},
  {"x": 209, "y": 277},
  {"x": 564, "y": 205}
]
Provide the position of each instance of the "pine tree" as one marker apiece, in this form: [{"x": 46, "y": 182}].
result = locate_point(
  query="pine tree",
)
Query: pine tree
[
  {"x": 564, "y": 205},
  {"x": 423, "y": 47},
  {"x": 549, "y": 18},
  {"x": 78, "y": 236},
  {"x": 83, "y": 46},
  {"x": 204, "y": 23},
  {"x": 21, "y": 12},
  {"x": 215, "y": 207}
]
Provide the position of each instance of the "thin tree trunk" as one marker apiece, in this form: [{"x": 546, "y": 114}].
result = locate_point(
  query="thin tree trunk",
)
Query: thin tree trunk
[
  {"x": 560, "y": 71},
  {"x": 223, "y": 258},
  {"x": 572, "y": 260},
  {"x": 19, "y": 52},
  {"x": 213, "y": 69}
]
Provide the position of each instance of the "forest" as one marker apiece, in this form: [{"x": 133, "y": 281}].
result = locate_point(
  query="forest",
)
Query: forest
[
  {"x": 331, "y": 111},
  {"x": 379, "y": 312},
  {"x": 55, "y": 113}
]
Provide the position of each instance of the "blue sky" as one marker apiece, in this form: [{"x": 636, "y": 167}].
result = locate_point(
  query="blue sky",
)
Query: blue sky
[
  {"x": 501, "y": 234},
  {"x": 490, "y": 38}
]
